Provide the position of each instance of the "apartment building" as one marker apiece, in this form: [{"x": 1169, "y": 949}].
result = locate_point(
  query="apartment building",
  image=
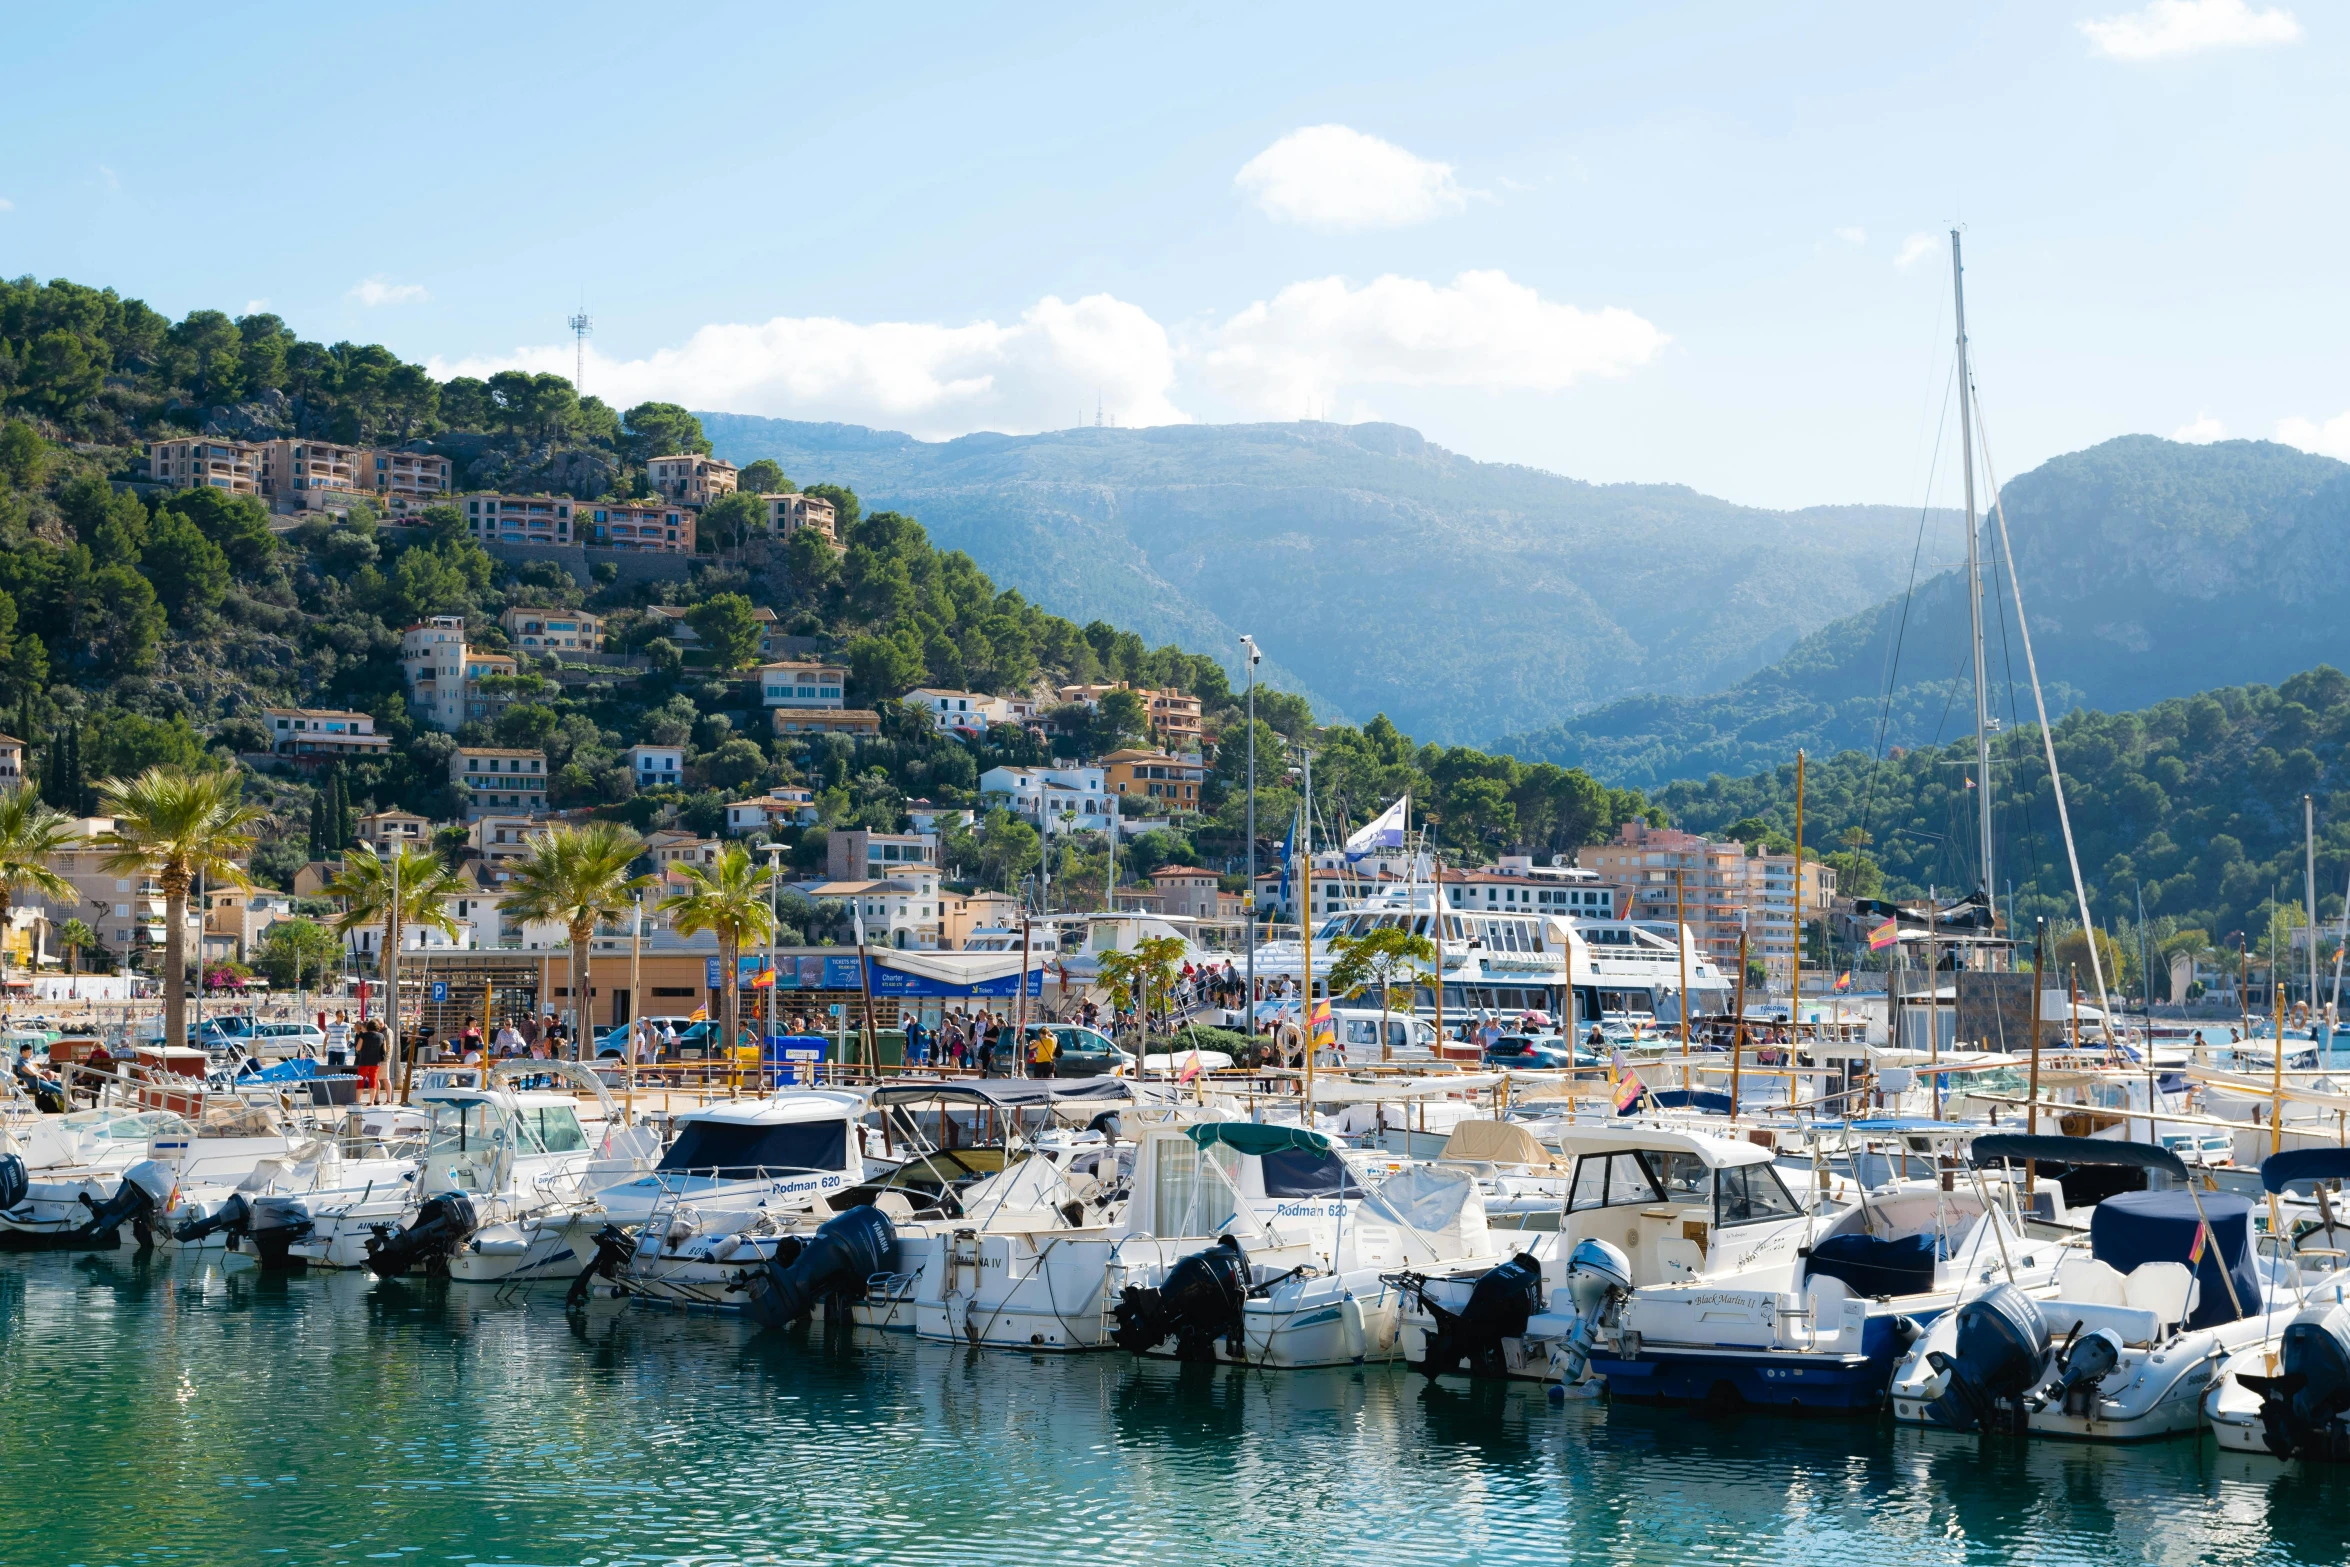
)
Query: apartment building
[
  {"x": 11, "y": 761},
  {"x": 655, "y": 765},
  {"x": 788, "y": 514},
  {"x": 618, "y": 525},
  {"x": 491, "y": 780},
  {"x": 126, "y": 911},
  {"x": 521, "y": 519},
  {"x": 444, "y": 673},
  {"x": 235, "y": 920},
  {"x": 314, "y": 736},
  {"x": 553, "y": 630},
  {"x": 690, "y": 480},
  {"x": 789, "y": 683},
  {"x": 1071, "y": 796},
  {"x": 1719, "y": 890},
  {"x": 234, "y": 466},
  {"x": 969, "y": 714},
  {"x": 852, "y": 721},
  {"x": 313, "y": 475},
  {"x": 1151, "y": 783},
  {"x": 671, "y": 851},
  {"x": 1186, "y": 890},
  {"x": 414, "y": 479},
  {"x": 1174, "y": 718},
  {"x": 901, "y": 911},
  {"x": 389, "y": 830},
  {"x": 497, "y": 841},
  {"x": 855, "y": 853},
  {"x": 961, "y": 913},
  {"x": 743, "y": 816}
]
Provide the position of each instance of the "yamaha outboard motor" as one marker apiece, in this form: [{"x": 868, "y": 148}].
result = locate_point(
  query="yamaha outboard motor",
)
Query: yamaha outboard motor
[
  {"x": 232, "y": 1218},
  {"x": 848, "y": 1249},
  {"x": 15, "y": 1185},
  {"x": 1199, "y": 1302},
  {"x": 614, "y": 1246},
  {"x": 2302, "y": 1406},
  {"x": 277, "y": 1224},
  {"x": 2003, "y": 1353},
  {"x": 2088, "y": 1359},
  {"x": 1497, "y": 1309},
  {"x": 440, "y": 1228},
  {"x": 145, "y": 1188}
]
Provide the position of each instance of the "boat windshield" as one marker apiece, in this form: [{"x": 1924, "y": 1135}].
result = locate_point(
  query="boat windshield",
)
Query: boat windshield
[
  {"x": 1751, "y": 1194},
  {"x": 733, "y": 1151},
  {"x": 133, "y": 1127},
  {"x": 1301, "y": 1172},
  {"x": 553, "y": 1128},
  {"x": 1639, "y": 1176},
  {"x": 464, "y": 1126}
]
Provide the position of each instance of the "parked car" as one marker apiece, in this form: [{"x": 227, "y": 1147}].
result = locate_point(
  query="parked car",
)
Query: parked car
[
  {"x": 1086, "y": 1052},
  {"x": 1536, "y": 1053}
]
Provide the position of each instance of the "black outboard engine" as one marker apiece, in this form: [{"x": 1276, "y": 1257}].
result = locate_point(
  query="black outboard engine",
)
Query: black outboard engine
[
  {"x": 2088, "y": 1359},
  {"x": 14, "y": 1183},
  {"x": 1108, "y": 1124},
  {"x": 440, "y": 1228},
  {"x": 145, "y": 1187},
  {"x": 2302, "y": 1406},
  {"x": 2003, "y": 1353},
  {"x": 1200, "y": 1301},
  {"x": 232, "y": 1219},
  {"x": 277, "y": 1224},
  {"x": 848, "y": 1249},
  {"x": 1498, "y": 1307},
  {"x": 614, "y": 1246}
]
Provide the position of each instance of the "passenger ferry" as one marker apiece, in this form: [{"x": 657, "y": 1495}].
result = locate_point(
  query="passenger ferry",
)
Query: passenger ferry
[{"x": 1574, "y": 969}]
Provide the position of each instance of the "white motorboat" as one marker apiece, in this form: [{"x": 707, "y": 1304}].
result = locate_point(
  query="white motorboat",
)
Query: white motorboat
[{"x": 2290, "y": 1397}]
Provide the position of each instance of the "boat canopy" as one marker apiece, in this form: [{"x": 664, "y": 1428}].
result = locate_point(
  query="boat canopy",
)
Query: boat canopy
[
  {"x": 1342, "y": 1091},
  {"x": 2298, "y": 1165},
  {"x": 1255, "y": 1137},
  {"x": 2016, "y": 1147},
  {"x": 1497, "y": 1142},
  {"x": 1714, "y": 1151},
  {"x": 1005, "y": 1093}
]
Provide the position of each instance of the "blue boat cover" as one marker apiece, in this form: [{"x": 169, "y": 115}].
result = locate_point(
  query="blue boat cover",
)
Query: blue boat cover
[
  {"x": 1869, "y": 1266},
  {"x": 2136, "y": 1227},
  {"x": 294, "y": 1069},
  {"x": 2281, "y": 1170},
  {"x": 1703, "y": 1100}
]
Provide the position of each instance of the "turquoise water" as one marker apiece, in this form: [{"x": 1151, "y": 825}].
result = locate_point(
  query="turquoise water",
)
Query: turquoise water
[{"x": 158, "y": 1415}]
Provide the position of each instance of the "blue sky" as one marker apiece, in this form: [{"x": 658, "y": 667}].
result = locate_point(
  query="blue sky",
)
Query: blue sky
[{"x": 1657, "y": 242}]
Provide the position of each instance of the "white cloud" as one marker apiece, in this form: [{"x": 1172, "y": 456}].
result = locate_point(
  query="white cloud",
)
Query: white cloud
[
  {"x": 1333, "y": 177},
  {"x": 929, "y": 379},
  {"x": 2201, "y": 430},
  {"x": 2332, "y": 438},
  {"x": 1853, "y": 236},
  {"x": 2166, "y": 29},
  {"x": 1482, "y": 330},
  {"x": 375, "y": 291},
  {"x": 1914, "y": 249},
  {"x": 254, "y": 307},
  {"x": 6, "y": 205}
]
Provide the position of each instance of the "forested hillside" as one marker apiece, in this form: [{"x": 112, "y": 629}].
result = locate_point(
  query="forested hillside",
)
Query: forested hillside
[
  {"x": 2193, "y": 804},
  {"x": 2151, "y": 569}
]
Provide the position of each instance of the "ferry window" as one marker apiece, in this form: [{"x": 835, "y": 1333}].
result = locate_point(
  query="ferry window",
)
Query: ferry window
[
  {"x": 1682, "y": 1177},
  {"x": 1610, "y": 1181},
  {"x": 1452, "y": 928},
  {"x": 1420, "y": 926},
  {"x": 1752, "y": 1194}
]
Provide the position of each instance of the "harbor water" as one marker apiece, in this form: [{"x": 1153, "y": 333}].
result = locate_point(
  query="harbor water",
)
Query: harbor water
[{"x": 159, "y": 1413}]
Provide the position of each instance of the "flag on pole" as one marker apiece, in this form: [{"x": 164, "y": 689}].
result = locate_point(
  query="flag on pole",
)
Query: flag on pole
[
  {"x": 1844, "y": 982},
  {"x": 1190, "y": 1068},
  {"x": 1884, "y": 936},
  {"x": 1384, "y": 831},
  {"x": 1321, "y": 1027},
  {"x": 2195, "y": 1252},
  {"x": 1628, "y": 1093},
  {"x": 1287, "y": 851},
  {"x": 698, "y": 1015}
]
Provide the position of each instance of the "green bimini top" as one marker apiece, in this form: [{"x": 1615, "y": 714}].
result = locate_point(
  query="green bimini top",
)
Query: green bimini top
[{"x": 1252, "y": 1137}]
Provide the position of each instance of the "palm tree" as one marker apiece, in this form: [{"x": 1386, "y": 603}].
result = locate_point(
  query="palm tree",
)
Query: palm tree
[
  {"x": 177, "y": 825},
  {"x": 576, "y": 877},
  {"x": 30, "y": 833},
  {"x": 365, "y": 885},
  {"x": 75, "y": 937},
  {"x": 729, "y": 899}
]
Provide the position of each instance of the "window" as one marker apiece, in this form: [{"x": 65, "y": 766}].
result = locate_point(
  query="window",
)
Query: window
[
  {"x": 1752, "y": 1194},
  {"x": 1611, "y": 1181}
]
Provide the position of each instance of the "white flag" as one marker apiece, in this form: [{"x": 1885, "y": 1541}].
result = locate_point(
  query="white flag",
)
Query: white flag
[{"x": 1385, "y": 831}]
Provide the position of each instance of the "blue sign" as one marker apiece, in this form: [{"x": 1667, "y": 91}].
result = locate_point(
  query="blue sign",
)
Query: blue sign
[
  {"x": 440, "y": 990},
  {"x": 710, "y": 981},
  {"x": 898, "y": 982}
]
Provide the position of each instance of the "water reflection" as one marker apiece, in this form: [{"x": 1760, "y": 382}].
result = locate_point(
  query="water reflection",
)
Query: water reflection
[{"x": 219, "y": 1415}]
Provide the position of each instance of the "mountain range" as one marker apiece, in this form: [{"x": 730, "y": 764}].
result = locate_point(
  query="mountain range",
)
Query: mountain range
[{"x": 1378, "y": 571}]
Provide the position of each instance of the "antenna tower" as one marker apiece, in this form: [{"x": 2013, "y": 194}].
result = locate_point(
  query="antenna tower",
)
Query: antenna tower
[{"x": 580, "y": 326}]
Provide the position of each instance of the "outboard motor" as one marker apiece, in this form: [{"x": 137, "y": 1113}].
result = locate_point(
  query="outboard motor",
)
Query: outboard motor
[
  {"x": 2003, "y": 1352},
  {"x": 846, "y": 1250},
  {"x": 15, "y": 1185},
  {"x": 145, "y": 1188},
  {"x": 614, "y": 1246},
  {"x": 1497, "y": 1308},
  {"x": 1108, "y": 1124},
  {"x": 1199, "y": 1302},
  {"x": 2088, "y": 1359},
  {"x": 277, "y": 1224},
  {"x": 232, "y": 1219},
  {"x": 2302, "y": 1406},
  {"x": 1599, "y": 1281},
  {"x": 440, "y": 1228}
]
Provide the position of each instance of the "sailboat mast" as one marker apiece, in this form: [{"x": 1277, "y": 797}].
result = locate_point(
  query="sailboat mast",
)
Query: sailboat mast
[{"x": 1974, "y": 566}]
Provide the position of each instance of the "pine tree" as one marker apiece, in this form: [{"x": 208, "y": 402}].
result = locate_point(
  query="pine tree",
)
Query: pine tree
[
  {"x": 75, "y": 794},
  {"x": 317, "y": 825},
  {"x": 346, "y": 819}
]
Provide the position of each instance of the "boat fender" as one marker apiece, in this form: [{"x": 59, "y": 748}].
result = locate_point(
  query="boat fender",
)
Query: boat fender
[
  {"x": 833, "y": 1265},
  {"x": 14, "y": 1183},
  {"x": 1498, "y": 1306},
  {"x": 1351, "y": 1334},
  {"x": 1907, "y": 1331},
  {"x": 2002, "y": 1352},
  {"x": 441, "y": 1226},
  {"x": 2301, "y": 1407},
  {"x": 231, "y": 1219},
  {"x": 1199, "y": 1301},
  {"x": 614, "y": 1247}
]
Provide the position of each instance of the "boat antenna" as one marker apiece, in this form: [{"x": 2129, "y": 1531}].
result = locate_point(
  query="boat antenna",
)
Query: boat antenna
[{"x": 1974, "y": 567}]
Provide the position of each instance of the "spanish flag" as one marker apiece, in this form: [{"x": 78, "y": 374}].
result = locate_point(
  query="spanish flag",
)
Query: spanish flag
[
  {"x": 2195, "y": 1252},
  {"x": 1844, "y": 981},
  {"x": 1628, "y": 1093},
  {"x": 1321, "y": 1027},
  {"x": 1884, "y": 936}
]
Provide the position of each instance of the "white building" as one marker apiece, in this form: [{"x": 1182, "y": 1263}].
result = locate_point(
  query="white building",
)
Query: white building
[
  {"x": 494, "y": 781},
  {"x": 790, "y": 683},
  {"x": 656, "y": 764},
  {"x": 314, "y": 736},
  {"x": 901, "y": 911},
  {"x": 1074, "y": 796}
]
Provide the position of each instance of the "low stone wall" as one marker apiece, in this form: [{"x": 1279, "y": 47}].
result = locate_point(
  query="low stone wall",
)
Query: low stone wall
[{"x": 634, "y": 565}]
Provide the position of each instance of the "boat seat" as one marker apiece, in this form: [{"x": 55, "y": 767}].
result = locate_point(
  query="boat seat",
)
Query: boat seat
[
  {"x": 2086, "y": 1281},
  {"x": 2168, "y": 1289},
  {"x": 2129, "y": 1325}
]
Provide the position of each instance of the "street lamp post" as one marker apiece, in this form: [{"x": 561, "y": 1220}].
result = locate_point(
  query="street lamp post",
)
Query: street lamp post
[{"x": 1248, "y": 898}]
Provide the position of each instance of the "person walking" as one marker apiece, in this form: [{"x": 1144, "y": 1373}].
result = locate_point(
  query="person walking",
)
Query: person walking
[{"x": 371, "y": 1060}]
